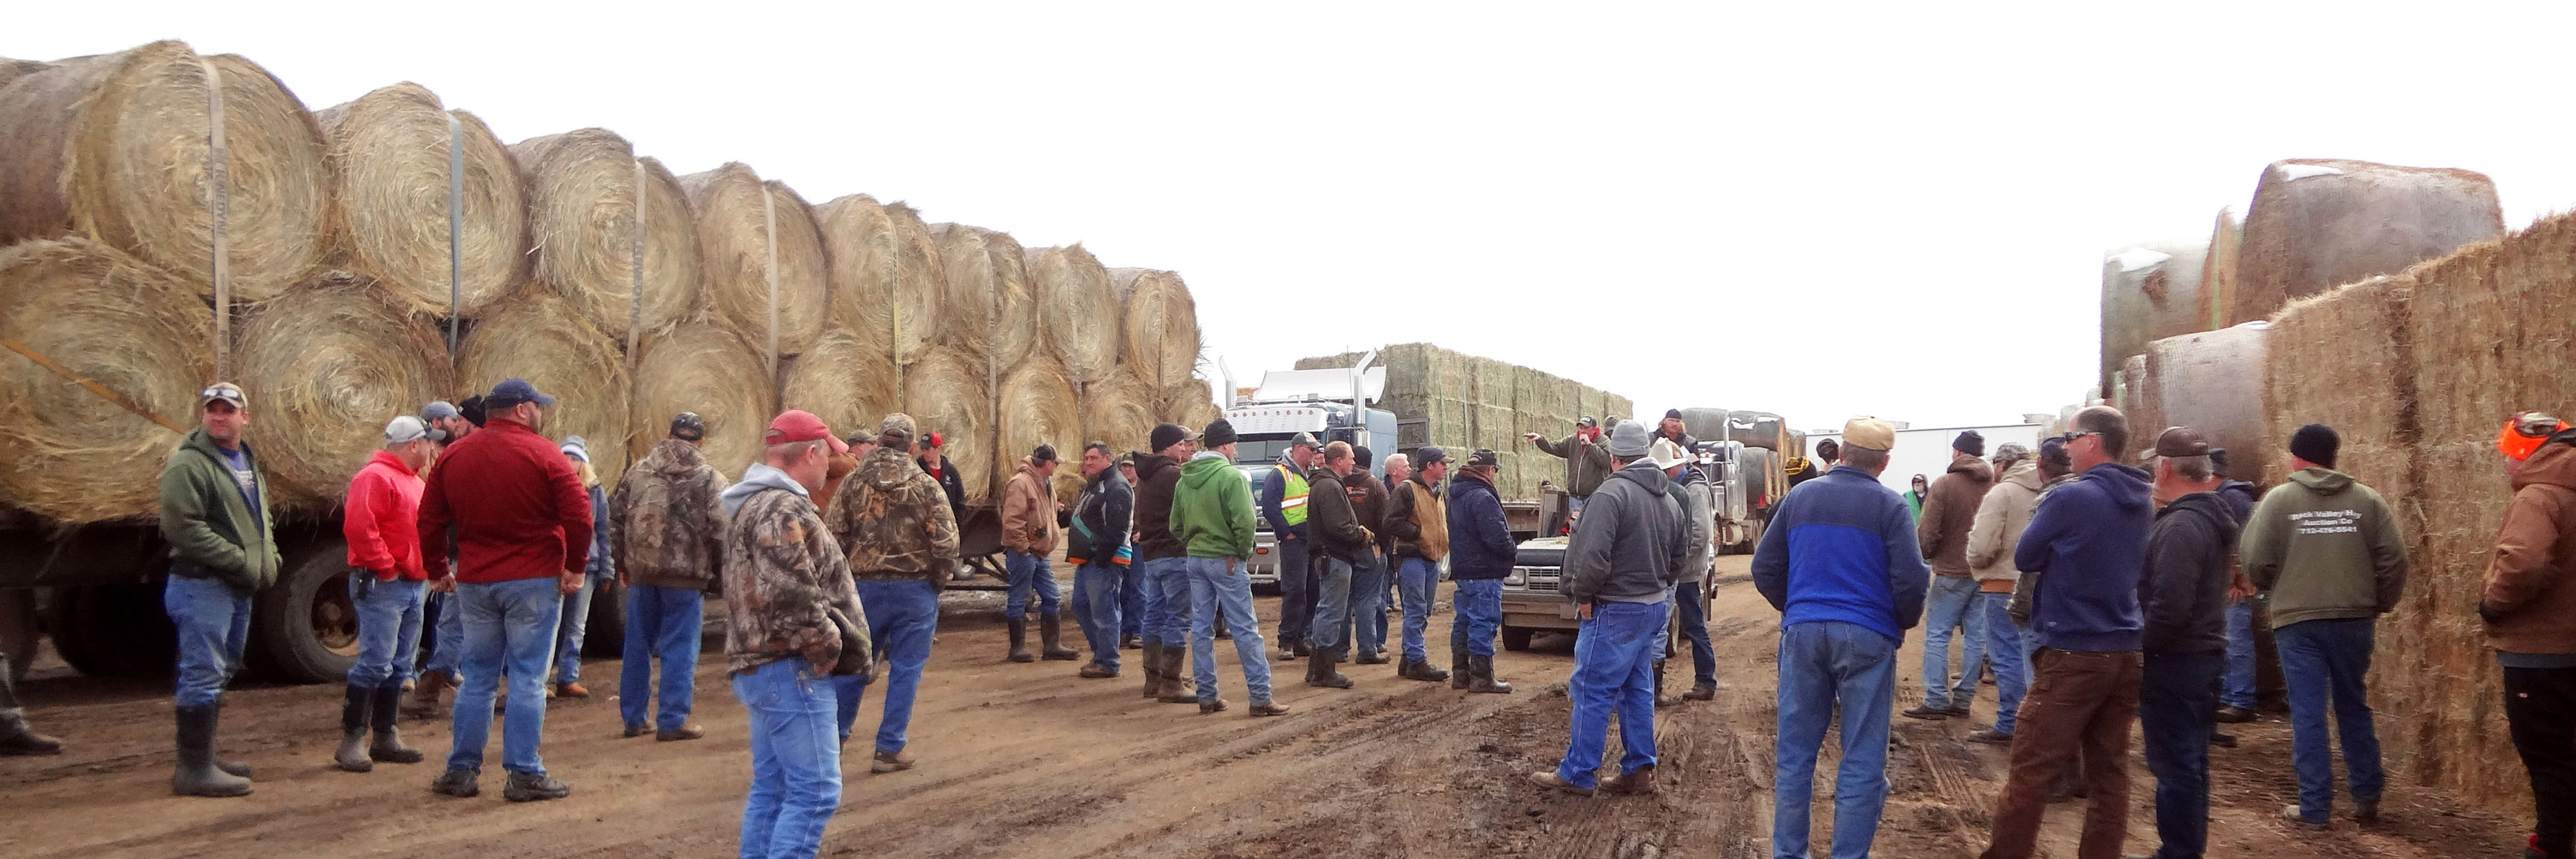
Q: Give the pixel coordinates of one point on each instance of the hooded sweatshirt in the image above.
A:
(2088, 541)
(1630, 543)
(1028, 513)
(783, 575)
(665, 528)
(1841, 549)
(214, 531)
(379, 518)
(2182, 591)
(2324, 547)
(1212, 508)
(1480, 539)
(2001, 517)
(1156, 477)
(1698, 526)
(894, 522)
(1949, 511)
(2530, 595)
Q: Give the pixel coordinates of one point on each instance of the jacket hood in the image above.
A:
(885, 468)
(197, 438)
(673, 457)
(388, 458)
(2325, 481)
(1203, 468)
(760, 477)
(2127, 486)
(2208, 506)
(2024, 474)
(1644, 473)
(1152, 464)
(2553, 464)
(1973, 467)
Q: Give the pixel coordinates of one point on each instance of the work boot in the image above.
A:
(1213, 705)
(354, 718)
(1423, 671)
(679, 734)
(196, 774)
(1050, 634)
(1370, 659)
(1663, 697)
(1130, 641)
(1153, 659)
(2221, 740)
(1095, 671)
(1020, 640)
(1547, 779)
(1484, 681)
(1991, 737)
(1927, 713)
(2232, 714)
(424, 695)
(1639, 783)
(1320, 673)
(530, 787)
(15, 737)
(388, 745)
(1303, 651)
(462, 784)
(1701, 692)
(1177, 685)
(1460, 675)
(571, 690)
(888, 762)
(2365, 812)
(1265, 708)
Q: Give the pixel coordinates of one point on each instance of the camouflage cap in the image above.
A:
(897, 424)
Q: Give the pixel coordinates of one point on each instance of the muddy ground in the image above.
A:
(1030, 761)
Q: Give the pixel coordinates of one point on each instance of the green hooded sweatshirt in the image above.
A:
(212, 533)
(1212, 509)
(2323, 547)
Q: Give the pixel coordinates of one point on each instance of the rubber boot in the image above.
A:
(1663, 696)
(1461, 675)
(1153, 664)
(1178, 688)
(231, 768)
(1485, 682)
(388, 745)
(1050, 634)
(15, 737)
(1320, 673)
(1020, 640)
(196, 774)
(355, 713)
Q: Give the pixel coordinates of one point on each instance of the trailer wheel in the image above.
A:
(63, 622)
(1517, 639)
(603, 636)
(304, 626)
(112, 630)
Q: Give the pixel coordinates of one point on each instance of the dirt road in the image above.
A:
(1029, 761)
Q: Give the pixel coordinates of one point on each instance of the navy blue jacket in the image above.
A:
(1842, 548)
(2089, 542)
(1480, 540)
(2239, 496)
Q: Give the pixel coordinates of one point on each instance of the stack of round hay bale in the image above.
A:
(362, 276)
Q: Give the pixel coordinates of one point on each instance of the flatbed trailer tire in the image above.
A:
(303, 628)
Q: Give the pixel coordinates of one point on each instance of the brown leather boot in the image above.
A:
(424, 695)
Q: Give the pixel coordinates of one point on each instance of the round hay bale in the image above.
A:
(66, 452)
(885, 275)
(536, 336)
(1191, 404)
(945, 393)
(1077, 309)
(704, 369)
(844, 381)
(988, 305)
(2211, 382)
(2319, 223)
(1037, 407)
(326, 366)
(13, 69)
(390, 157)
(581, 221)
(733, 235)
(2150, 291)
(113, 147)
(1162, 325)
(1120, 410)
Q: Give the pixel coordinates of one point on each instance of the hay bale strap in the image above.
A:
(455, 229)
(769, 238)
(218, 171)
(635, 307)
(102, 390)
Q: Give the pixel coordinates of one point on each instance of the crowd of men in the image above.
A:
(2095, 590)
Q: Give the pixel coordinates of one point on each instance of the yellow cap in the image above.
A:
(1870, 433)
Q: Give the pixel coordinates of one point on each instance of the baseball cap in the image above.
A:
(409, 428)
(687, 426)
(1428, 456)
(1674, 414)
(1587, 421)
(1166, 435)
(1869, 432)
(795, 425)
(1484, 457)
(439, 410)
(900, 424)
(1302, 440)
(225, 391)
(512, 392)
(2012, 451)
(1044, 454)
(2181, 441)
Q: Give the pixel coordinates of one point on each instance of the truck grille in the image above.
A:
(1536, 578)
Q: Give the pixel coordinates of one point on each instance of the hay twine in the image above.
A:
(536, 336)
(66, 452)
(1161, 328)
(1078, 311)
(945, 393)
(734, 225)
(390, 153)
(844, 381)
(325, 367)
(708, 370)
(113, 147)
(581, 220)
(886, 275)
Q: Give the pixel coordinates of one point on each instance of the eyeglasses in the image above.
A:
(2070, 437)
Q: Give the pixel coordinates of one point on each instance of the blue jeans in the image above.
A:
(1614, 667)
(2008, 652)
(1476, 615)
(1215, 588)
(2322, 660)
(388, 625)
(1823, 665)
(660, 622)
(1694, 623)
(1368, 611)
(1946, 611)
(214, 624)
(1167, 601)
(2176, 695)
(1418, 579)
(1097, 597)
(1331, 628)
(1131, 600)
(1028, 572)
(902, 616)
(446, 637)
(576, 617)
(795, 763)
(1296, 590)
(509, 627)
(2239, 691)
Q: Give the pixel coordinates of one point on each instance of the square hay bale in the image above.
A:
(2499, 320)
(2150, 291)
(2433, 676)
(2344, 358)
(2211, 382)
(2318, 223)
(2218, 271)
(1625, 408)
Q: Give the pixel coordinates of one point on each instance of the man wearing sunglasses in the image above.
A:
(214, 514)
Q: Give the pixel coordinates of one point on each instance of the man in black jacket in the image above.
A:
(1160, 553)
(1338, 540)
(2182, 593)
(934, 463)
(1097, 550)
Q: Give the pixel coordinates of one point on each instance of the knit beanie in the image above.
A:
(2316, 443)
(1972, 443)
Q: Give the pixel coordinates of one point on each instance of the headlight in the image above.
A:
(1519, 577)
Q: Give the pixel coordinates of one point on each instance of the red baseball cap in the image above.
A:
(797, 425)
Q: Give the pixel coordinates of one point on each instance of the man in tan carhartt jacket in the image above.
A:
(2001, 516)
(1943, 532)
(1030, 533)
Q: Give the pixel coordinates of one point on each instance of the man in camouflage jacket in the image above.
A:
(895, 522)
(666, 536)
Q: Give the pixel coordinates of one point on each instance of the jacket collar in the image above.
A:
(388, 459)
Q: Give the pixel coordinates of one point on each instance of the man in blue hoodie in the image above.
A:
(2088, 541)
(1841, 562)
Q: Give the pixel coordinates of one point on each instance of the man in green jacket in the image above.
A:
(1212, 517)
(2323, 551)
(214, 515)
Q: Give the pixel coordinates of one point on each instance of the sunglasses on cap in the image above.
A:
(225, 391)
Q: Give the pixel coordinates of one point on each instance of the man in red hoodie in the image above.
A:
(386, 585)
(523, 528)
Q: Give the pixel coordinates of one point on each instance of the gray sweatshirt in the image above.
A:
(1630, 543)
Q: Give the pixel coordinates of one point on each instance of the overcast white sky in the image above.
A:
(1813, 210)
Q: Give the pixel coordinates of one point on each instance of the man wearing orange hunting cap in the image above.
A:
(2529, 605)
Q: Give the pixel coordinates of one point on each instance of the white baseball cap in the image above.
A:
(410, 428)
